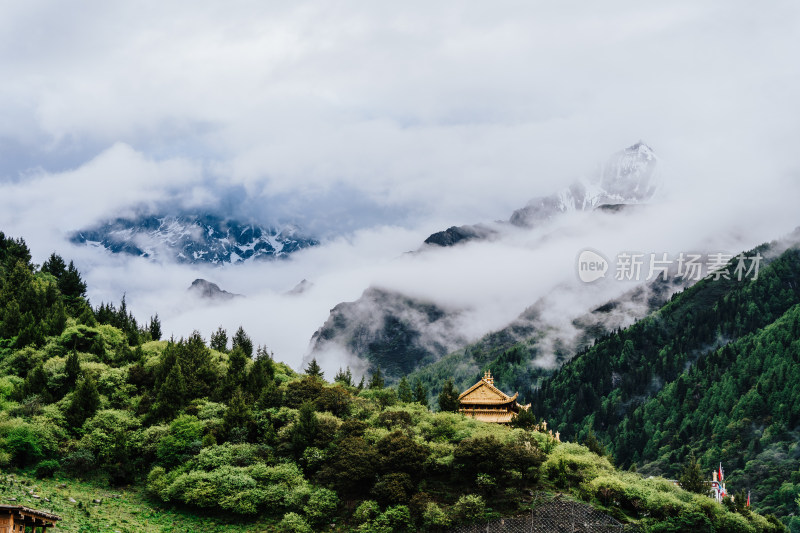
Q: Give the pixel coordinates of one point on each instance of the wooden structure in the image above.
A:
(485, 402)
(17, 519)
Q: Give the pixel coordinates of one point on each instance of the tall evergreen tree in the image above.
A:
(172, 394)
(448, 398)
(525, 419)
(238, 418)
(376, 380)
(404, 391)
(691, 477)
(71, 284)
(72, 367)
(55, 266)
(241, 339)
(237, 371)
(85, 402)
(313, 369)
(344, 377)
(420, 393)
(305, 429)
(219, 340)
(155, 328)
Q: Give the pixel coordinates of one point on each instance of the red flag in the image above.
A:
(720, 473)
(748, 498)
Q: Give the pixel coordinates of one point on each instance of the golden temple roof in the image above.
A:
(485, 393)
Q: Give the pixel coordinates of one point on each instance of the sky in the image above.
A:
(375, 124)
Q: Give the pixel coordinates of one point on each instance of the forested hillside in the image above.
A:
(211, 434)
(714, 372)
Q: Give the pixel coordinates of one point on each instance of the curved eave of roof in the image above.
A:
(484, 401)
(492, 388)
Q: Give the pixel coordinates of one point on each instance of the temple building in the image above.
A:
(485, 402)
(18, 518)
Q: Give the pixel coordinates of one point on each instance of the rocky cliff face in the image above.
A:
(388, 330)
(211, 291)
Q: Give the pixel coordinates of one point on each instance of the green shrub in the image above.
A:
(294, 523)
(395, 519)
(393, 488)
(366, 511)
(321, 506)
(469, 508)
(434, 516)
(47, 468)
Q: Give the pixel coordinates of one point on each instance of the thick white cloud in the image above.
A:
(432, 114)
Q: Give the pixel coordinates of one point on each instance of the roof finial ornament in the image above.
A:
(487, 377)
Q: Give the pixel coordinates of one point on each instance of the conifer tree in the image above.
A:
(313, 369)
(404, 391)
(448, 398)
(376, 380)
(85, 402)
(305, 429)
(237, 371)
(155, 328)
(219, 340)
(344, 377)
(240, 338)
(238, 418)
(35, 382)
(55, 266)
(172, 394)
(525, 419)
(72, 367)
(420, 393)
(261, 373)
(71, 284)
(691, 477)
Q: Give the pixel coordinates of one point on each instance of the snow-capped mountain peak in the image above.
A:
(194, 239)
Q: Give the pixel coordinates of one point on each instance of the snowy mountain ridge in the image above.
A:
(194, 239)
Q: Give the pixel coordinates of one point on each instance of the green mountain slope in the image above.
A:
(222, 439)
(706, 372)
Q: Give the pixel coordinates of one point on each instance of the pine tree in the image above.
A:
(594, 445)
(313, 369)
(691, 477)
(241, 339)
(448, 398)
(72, 368)
(344, 377)
(420, 393)
(238, 418)
(35, 382)
(55, 266)
(404, 391)
(71, 284)
(172, 394)
(85, 402)
(219, 340)
(525, 419)
(155, 328)
(376, 380)
(305, 429)
(237, 371)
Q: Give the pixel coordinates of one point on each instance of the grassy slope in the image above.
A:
(132, 511)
